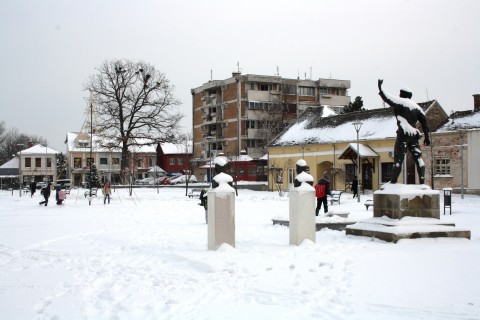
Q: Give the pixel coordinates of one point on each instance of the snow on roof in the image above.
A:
(72, 137)
(312, 128)
(174, 148)
(10, 164)
(462, 120)
(365, 151)
(39, 149)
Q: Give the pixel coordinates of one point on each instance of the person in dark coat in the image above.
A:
(33, 188)
(408, 113)
(46, 193)
(322, 190)
(204, 203)
(58, 189)
(355, 186)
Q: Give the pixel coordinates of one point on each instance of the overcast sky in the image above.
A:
(49, 48)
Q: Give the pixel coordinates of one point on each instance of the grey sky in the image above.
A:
(49, 48)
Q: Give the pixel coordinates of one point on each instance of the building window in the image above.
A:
(350, 172)
(150, 162)
(325, 91)
(139, 163)
(103, 161)
(90, 161)
(171, 161)
(442, 166)
(291, 176)
(250, 124)
(49, 162)
(180, 161)
(265, 87)
(306, 91)
(77, 162)
(289, 89)
(38, 162)
(116, 161)
(252, 171)
(28, 162)
(253, 143)
(387, 168)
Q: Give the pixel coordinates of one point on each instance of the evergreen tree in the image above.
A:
(61, 166)
(92, 178)
(357, 105)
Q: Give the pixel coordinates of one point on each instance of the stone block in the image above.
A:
(398, 200)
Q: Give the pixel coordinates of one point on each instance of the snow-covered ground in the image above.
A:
(146, 257)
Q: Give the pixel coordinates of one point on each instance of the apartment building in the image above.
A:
(245, 112)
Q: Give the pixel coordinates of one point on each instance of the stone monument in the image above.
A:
(302, 206)
(221, 208)
(406, 210)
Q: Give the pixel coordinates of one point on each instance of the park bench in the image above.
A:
(194, 193)
(368, 203)
(334, 197)
(94, 192)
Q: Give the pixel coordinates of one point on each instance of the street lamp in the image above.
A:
(357, 126)
(19, 169)
(209, 148)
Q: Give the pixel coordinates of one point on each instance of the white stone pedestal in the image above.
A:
(221, 217)
(302, 214)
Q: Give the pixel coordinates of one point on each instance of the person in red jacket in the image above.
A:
(322, 190)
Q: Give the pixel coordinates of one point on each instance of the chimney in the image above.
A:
(236, 74)
(476, 102)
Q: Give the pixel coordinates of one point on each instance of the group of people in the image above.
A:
(60, 195)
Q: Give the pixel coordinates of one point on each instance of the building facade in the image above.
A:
(245, 112)
(38, 163)
(175, 158)
(330, 147)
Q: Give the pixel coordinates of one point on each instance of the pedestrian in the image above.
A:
(46, 193)
(204, 203)
(59, 194)
(106, 191)
(322, 190)
(355, 186)
(33, 188)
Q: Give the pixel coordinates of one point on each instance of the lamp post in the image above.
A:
(357, 126)
(19, 170)
(209, 147)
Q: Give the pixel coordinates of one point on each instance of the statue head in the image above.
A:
(405, 93)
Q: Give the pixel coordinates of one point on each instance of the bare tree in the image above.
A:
(12, 141)
(271, 122)
(135, 105)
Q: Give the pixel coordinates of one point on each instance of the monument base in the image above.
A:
(406, 212)
(392, 230)
(406, 200)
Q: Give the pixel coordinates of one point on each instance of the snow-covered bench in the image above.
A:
(368, 203)
(335, 196)
(194, 193)
(94, 192)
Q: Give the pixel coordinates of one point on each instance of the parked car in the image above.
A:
(163, 180)
(64, 183)
(41, 185)
(183, 179)
(145, 181)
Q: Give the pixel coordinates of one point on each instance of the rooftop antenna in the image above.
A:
(278, 71)
(238, 66)
(305, 75)
(211, 74)
(298, 73)
(310, 73)
(426, 89)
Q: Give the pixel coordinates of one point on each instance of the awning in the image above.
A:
(351, 152)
